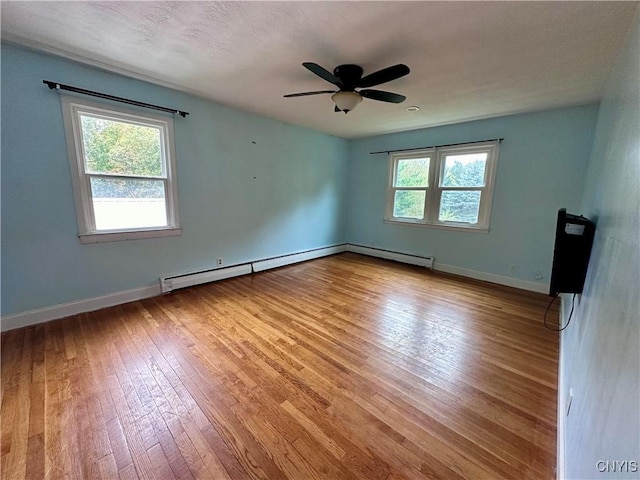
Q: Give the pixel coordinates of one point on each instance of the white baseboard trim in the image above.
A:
(430, 262)
(389, 255)
(493, 278)
(284, 260)
(55, 312)
(62, 310)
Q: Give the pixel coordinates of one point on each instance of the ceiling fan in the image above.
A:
(348, 78)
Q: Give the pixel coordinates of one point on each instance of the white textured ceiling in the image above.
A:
(468, 60)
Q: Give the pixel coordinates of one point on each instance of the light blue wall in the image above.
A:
(542, 165)
(600, 352)
(296, 202)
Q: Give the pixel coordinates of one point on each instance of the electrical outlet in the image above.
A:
(539, 275)
(569, 401)
(220, 262)
(513, 268)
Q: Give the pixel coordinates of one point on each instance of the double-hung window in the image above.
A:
(123, 171)
(445, 186)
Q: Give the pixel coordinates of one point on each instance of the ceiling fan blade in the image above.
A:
(382, 96)
(322, 73)
(336, 109)
(304, 94)
(383, 76)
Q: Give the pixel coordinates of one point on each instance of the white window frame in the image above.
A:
(72, 109)
(394, 159)
(434, 189)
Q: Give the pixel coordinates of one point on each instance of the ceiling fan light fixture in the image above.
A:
(346, 101)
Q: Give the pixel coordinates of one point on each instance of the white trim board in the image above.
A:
(62, 310)
(493, 278)
(430, 262)
(561, 414)
(55, 312)
(562, 393)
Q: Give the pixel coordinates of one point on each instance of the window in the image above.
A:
(123, 172)
(444, 187)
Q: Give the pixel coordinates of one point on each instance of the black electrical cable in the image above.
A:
(570, 314)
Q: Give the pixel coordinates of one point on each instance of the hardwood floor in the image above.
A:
(345, 367)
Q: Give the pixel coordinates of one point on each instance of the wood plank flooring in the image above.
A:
(345, 367)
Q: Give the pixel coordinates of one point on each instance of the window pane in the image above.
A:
(409, 204)
(412, 173)
(464, 170)
(120, 204)
(459, 206)
(112, 147)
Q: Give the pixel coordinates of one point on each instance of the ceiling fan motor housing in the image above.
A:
(349, 76)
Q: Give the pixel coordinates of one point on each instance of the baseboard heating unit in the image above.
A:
(168, 284)
(174, 282)
(421, 261)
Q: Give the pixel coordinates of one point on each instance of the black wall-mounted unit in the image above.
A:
(574, 238)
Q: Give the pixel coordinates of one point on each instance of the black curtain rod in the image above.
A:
(60, 86)
(437, 146)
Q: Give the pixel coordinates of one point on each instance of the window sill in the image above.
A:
(456, 228)
(116, 236)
